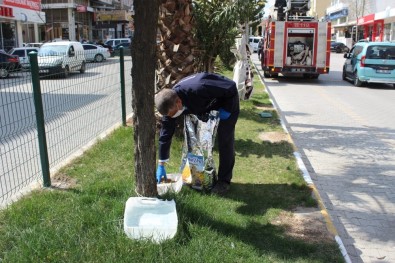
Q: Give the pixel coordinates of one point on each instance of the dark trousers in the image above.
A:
(226, 147)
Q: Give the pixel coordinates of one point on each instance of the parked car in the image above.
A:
(370, 62)
(23, 54)
(339, 47)
(110, 48)
(60, 58)
(95, 53)
(126, 49)
(8, 63)
(38, 45)
(254, 41)
(116, 41)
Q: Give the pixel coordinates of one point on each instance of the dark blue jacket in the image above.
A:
(199, 93)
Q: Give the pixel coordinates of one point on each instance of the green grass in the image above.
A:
(85, 223)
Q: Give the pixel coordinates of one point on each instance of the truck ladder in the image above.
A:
(293, 10)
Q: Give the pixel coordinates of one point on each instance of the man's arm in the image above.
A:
(165, 136)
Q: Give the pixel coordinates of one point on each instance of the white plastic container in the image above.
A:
(174, 186)
(288, 61)
(150, 218)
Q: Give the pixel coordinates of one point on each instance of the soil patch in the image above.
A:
(129, 122)
(274, 137)
(266, 108)
(306, 224)
(63, 182)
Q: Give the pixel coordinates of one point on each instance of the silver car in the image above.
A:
(95, 53)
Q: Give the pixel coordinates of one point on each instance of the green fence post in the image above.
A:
(38, 104)
(123, 97)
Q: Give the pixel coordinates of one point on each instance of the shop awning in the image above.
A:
(352, 23)
(369, 19)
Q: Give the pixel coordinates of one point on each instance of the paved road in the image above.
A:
(346, 136)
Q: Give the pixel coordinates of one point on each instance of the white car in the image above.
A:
(23, 54)
(95, 53)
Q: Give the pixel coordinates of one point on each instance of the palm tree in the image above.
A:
(176, 50)
(194, 34)
(217, 24)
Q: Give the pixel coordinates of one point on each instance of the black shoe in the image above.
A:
(220, 188)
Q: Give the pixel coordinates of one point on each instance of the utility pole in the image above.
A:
(357, 17)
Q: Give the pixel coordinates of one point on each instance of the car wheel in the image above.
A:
(315, 76)
(310, 76)
(66, 72)
(83, 67)
(338, 50)
(344, 75)
(357, 82)
(3, 73)
(99, 58)
(274, 75)
(266, 74)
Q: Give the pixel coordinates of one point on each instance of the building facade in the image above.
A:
(353, 20)
(318, 8)
(87, 20)
(32, 21)
(19, 22)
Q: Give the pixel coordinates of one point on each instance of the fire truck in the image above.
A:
(295, 44)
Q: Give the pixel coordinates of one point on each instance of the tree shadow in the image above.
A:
(252, 114)
(265, 237)
(356, 179)
(247, 147)
(17, 114)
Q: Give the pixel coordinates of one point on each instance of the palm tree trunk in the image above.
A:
(176, 55)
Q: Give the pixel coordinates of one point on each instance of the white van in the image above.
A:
(60, 58)
(254, 41)
(116, 41)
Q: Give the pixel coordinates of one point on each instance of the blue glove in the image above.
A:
(160, 172)
(223, 114)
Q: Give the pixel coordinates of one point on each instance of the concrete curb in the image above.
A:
(306, 176)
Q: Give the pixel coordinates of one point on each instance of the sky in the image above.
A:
(269, 3)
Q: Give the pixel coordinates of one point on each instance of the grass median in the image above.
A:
(83, 221)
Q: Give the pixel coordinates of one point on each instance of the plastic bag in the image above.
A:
(197, 165)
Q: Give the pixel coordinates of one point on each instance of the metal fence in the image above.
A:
(76, 109)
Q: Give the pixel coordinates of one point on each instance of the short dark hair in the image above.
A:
(165, 100)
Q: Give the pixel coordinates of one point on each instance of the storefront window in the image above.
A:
(370, 33)
(387, 32)
(7, 35)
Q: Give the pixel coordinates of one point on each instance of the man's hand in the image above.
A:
(160, 172)
(223, 114)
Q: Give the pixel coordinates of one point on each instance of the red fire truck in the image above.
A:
(297, 44)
